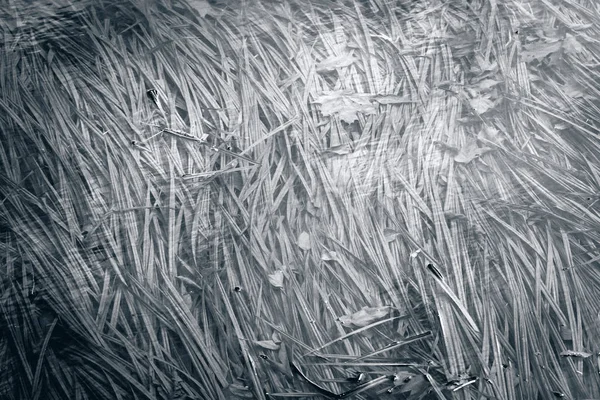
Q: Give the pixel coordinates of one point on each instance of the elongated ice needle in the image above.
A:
(209, 174)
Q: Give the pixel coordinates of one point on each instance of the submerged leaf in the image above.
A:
(313, 208)
(340, 150)
(365, 316)
(445, 147)
(333, 62)
(390, 234)
(490, 134)
(284, 358)
(571, 45)
(267, 344)
(539, 50)
(304, 241)
(346, 104)
(469, 152)
(487, 84)
(481, 104)
(451, 216)
(202, 7)
(484, 65)
(575, 90)
(329, 256)
(276, 279)
(276, 337)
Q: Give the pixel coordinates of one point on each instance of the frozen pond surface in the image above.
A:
(370, 199)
